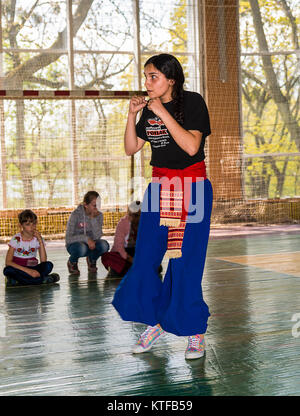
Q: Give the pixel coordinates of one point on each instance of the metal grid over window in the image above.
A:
(81, 51)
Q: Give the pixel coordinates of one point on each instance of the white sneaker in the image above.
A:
(148, 339)
(195, 348)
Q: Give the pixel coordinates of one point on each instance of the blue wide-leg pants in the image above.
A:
(176, 303)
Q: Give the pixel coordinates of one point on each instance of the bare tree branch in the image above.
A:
(278, 97)
(46, 82)
(28, 68)
(288, 12)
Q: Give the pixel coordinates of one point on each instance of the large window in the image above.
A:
(270, 60)
(53, 151)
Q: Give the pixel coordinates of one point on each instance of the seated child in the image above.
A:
(120, 258)
(22, 266)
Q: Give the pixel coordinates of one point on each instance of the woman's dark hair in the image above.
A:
(172, 69)
(89, 197)
(27, 215)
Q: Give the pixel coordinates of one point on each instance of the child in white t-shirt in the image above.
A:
(22, 265)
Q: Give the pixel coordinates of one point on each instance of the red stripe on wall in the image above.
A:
(61, 93)
(30, 93)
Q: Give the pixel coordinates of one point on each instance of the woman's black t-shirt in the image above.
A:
(165, 151)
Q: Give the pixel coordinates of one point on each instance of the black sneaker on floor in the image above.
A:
(10, 282)
(112, 274)
(51, 278)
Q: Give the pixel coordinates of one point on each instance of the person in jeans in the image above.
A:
(22, 266)
(83, 234)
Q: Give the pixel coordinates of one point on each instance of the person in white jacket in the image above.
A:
(84, 232)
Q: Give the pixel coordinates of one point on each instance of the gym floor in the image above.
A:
(67, 340)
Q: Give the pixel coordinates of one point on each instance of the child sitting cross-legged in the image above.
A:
(22, 265)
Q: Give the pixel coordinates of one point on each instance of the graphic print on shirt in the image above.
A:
(157, 133)
(24, 248)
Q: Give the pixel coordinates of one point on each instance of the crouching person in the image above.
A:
(22, 265)
(84, 232)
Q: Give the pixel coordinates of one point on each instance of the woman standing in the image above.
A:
(175, 214)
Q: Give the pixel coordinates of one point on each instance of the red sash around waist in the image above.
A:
(175, 197)
(195, 172)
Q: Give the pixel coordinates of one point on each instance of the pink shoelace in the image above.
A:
(150, 335)
(195, 343)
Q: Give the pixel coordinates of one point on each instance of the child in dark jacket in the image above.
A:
(84, 232)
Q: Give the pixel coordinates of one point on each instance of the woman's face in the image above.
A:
(91, 209)
(157, 85)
